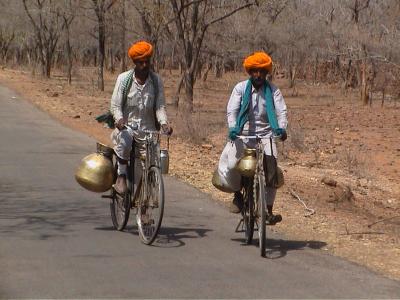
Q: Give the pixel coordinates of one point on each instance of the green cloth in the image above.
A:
(243, 115)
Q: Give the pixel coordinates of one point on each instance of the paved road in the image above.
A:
(57, 240)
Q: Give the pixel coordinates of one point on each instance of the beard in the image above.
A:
(257, 82)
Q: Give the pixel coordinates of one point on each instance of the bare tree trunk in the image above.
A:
(315, 73)
(292, 76)
(348, 74)
(48, 63)
(209, 66)
(69, 59)
(364, 92)
(218, 68)
(364, 86)
(101, 50)
(191, 24)
(112, 65)
(68, 18)
(123, 38)
(46, 32)
(42, 60)
(178, 91)
(100, 9)
(189, 84)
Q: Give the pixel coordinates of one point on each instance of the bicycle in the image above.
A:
(148, 198)
(254, 211)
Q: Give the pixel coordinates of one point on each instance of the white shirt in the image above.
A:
(258, 120)
(139, 108)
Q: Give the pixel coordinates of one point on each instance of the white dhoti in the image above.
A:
(230, 156)
(123, 141)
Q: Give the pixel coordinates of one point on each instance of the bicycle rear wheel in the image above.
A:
(120, 207)
(248, 210)
(259, 192)
(151, 207)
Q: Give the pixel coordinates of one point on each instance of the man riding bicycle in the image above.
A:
(137, 103)
(256, 107)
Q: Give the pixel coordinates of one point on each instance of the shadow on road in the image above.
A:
(168, 237)
(278, 248)
(105, 228)
(172, 237)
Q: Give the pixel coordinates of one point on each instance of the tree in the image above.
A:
(68, 16)
(192, 20)
(45, 18)
(6, 38)
(101, 7)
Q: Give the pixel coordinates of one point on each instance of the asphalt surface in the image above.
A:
(57, 240)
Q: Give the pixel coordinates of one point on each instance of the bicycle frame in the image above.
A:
(259, 153)
(254, 210)
(259, 166)
(148, 198)
(152, 158)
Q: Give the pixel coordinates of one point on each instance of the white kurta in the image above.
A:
(138, 110)
(258, 120)
(140, 106)
(257, 125)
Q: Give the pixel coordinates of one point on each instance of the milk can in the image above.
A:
(164, 161)
(247, 164)
(96, 172)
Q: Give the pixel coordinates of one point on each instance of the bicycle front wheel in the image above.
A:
(120, 207)
(248, 210)
(259, 194)
(151, 206)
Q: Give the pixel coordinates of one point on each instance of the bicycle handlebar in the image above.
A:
(256, 137)
(135, 127)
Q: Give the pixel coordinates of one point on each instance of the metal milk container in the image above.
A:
(164, 161)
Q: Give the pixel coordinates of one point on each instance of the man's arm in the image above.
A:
(161, 113)
(280, 109)
(233, 106)
(116, 100)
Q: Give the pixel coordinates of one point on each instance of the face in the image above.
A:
(258, 77)
(142, 66)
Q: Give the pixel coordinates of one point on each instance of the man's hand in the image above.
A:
(284, 136)
(281, 133)
(166, 129)
(121, 123)
(232, 134)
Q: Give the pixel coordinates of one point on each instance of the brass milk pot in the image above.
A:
(96, 172)
(247, 164)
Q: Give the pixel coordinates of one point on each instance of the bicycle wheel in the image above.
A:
(259, 192)
(151, 207)
(248, 210)
(120, 207)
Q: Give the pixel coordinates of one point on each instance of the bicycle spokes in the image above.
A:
(151, 206)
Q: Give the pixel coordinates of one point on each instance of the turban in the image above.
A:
(140, 50)
(258, 60)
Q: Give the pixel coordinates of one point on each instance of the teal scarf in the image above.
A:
(243, 115)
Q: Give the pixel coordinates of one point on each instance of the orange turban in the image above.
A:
(258, 60)
(140, 50)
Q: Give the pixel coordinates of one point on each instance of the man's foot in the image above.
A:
(120, 185)
(237, 203)
(273, 219)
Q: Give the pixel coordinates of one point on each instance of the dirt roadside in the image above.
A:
(331, 137)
